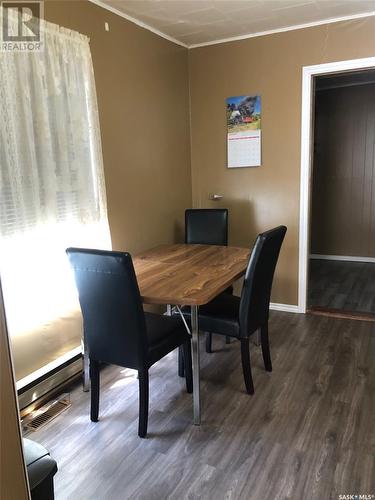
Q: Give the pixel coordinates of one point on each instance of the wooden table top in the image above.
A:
(188, 274)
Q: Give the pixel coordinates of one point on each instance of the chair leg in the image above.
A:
(266, 347)
(257, 340)
(246, 368)
(95, 388)
(143, 403)
(208, 342)
(227, 340)
(188, 367)
(181, 367)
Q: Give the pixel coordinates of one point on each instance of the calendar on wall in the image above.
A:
(244, 131)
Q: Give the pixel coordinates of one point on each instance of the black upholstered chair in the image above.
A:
(41, 468)
(240, 317)
(117, 329)
(205, 226)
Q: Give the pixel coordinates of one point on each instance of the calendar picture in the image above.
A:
(244, 131)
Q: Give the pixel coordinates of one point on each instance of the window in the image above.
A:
(52, 192)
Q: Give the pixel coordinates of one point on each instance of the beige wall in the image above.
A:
(343, 215)
(259, 198)
(142, 88)
(13, 482)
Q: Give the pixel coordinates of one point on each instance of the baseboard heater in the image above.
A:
(37, 386)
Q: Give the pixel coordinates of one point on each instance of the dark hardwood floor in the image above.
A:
(307, 433)
(348, 286)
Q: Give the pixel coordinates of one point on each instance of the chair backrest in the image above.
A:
(207, 226)
(256, 291)
(113, 317)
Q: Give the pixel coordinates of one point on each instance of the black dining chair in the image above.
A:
(207, 226)
(240, 317)
(116, 328)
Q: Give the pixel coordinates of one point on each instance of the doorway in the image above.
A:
(342, 220)
(336, 265)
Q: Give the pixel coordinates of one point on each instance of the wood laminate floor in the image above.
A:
(307, 433)
(348, 286)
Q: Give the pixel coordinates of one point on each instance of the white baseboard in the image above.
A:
(42, 388)
(284, 307)
(342, 257)
(48, 368)
(51, 381)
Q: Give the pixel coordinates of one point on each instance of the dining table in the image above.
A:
(189, 275)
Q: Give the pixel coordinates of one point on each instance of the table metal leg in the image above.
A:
(196, 368)
(85, 362)
(180, 367)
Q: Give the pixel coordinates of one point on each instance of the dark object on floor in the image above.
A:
(241, 317)
(117, 329)
(40, 468)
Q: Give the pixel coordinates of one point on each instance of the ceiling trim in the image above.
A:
(233, 38)
(137, 22)
(282, 30)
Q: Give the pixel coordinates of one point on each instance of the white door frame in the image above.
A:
(306, 158)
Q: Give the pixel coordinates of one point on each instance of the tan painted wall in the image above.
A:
(343, 212)
(259, 198)
(13, 482)
(142, 88)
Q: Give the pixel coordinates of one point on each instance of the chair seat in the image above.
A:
(165, 333)
(219, 316)
(41, 467)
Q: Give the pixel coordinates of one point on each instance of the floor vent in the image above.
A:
(46, 413)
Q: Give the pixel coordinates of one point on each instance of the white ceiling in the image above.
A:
(196, 22)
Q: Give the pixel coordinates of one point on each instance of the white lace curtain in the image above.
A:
(52, 192)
